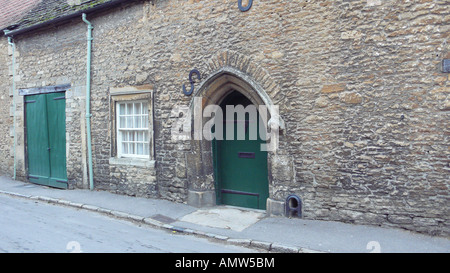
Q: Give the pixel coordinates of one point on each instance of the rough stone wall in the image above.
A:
(374, 145)
(58, 56)
(132, 180)
(358, 83)
(362, 95)
(6, 121)
(51, 58)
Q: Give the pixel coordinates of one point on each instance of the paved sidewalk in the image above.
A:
(236, 226)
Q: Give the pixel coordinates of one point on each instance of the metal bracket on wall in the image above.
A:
(191, 81)
(242, 8)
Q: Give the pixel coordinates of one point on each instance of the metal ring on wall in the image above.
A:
(244, 9)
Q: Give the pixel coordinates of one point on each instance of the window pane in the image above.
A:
(146, 149)
(125, 148)
(131, 136)
(130, 122)
(140, 149)
(144, 108)
(124, 136)
(137, 122)
(129, 108)
(122, 123)
(121, 109)
(137, 108)
(145, 122)
(145, 115)
(131, 149)
(138, 136)
(145, 136)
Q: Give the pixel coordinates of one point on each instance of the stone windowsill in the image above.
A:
(137, 162)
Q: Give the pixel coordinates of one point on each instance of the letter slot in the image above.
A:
(246, 155)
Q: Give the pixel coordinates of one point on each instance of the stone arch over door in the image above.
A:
(223, 74)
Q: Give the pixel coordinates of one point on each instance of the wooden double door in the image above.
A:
(45, 121)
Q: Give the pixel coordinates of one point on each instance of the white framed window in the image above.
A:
(133, 138)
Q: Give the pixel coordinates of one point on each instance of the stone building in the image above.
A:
(361, 88)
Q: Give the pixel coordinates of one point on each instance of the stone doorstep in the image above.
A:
(267, 246)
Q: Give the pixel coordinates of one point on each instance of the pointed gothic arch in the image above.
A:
(226, 73)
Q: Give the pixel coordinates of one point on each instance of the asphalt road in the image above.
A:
(28, 226)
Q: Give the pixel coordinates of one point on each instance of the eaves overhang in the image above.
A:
(61, 19)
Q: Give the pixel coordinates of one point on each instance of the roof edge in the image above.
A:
(100, 7)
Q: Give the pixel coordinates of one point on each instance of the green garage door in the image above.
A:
(46, 139)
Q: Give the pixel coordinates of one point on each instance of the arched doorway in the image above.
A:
(205, 186)
(240, 165)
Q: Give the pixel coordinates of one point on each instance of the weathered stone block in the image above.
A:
(333, 88)
(201, 199)
(282, 167)
(274, 207)
(350, 97)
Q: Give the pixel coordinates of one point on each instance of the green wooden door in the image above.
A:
(37, 139)
(46, 139)
(240, 165)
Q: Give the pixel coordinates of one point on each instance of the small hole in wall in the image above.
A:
(293, 203)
